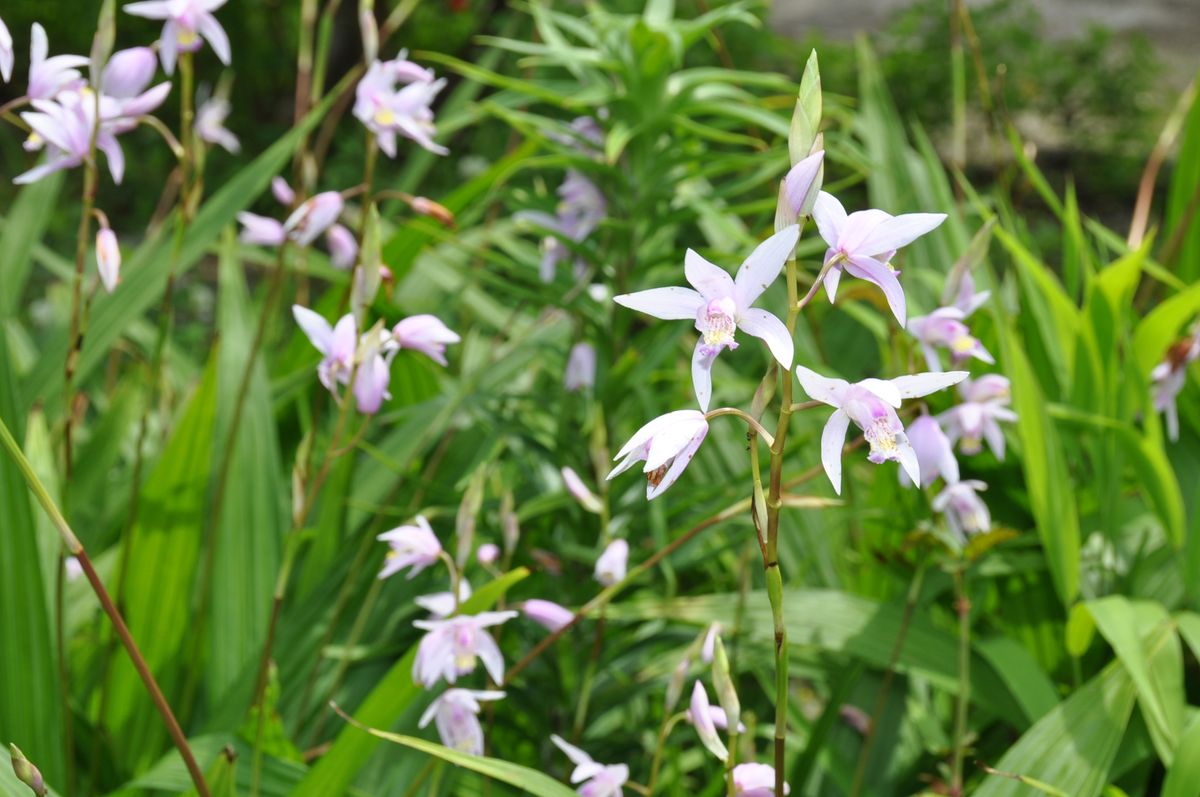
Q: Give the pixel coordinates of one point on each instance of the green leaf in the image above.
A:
(1046, 476)
(23, 228)
(1183, 778)
(530, 781)
(253, 516)
(1072, 748)
(1159, 678)
(30, 702)
(1155, 333)
(390, 697)
(164, 559)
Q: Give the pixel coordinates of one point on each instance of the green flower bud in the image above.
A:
(26, 772)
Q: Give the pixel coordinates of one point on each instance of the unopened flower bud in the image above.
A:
(282, 192)
(314, 217)
(73, 567)
(707, 650)
(487, 554)
(581, 367)
(108, 258)
(581, 492)
(260, 230)
(370, 30)
(723, 683)
(547, 613)
(427, 207)
(128, 72)
(610, 567)
(799, 190)
(26, 772)
(343, 249)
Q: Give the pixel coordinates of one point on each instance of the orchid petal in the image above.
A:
(678, 464)
(762, 324)
(917, 385)
(763, 265)
(821, 388)
(899, 231)
(830, 217)
(670, 304)
(149, 9)
(832, 277)
(712, 281)
(872, 270)
(908, 458)
(702, 363)
(703, 722)
(211, 30)
(995, 438)
(833, 437)
(884, 389)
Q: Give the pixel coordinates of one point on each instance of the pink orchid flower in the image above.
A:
(210, 124)
(580, 210)
(487, 554)
(386, 110)
(343, 248)
(721, 305)
(935, 453)
(283, 193)
(1169, 377)
(700, 715)
(978, 417)
(128, 72)
(755, 780)
(337, 344)
(184, 23)
(65, 126)
(456, 712)
(798, 190)
(313, 217)
(49, 76)
(612, 564)
(965, 511)
(415, 547)
(452, 646)
(426, 334)
(581, 367)
(944, 328)
(601, 780)
(872, 405)
(547, 614)
(963, 295)
(863, 243)
(260, 230)
(667, 444)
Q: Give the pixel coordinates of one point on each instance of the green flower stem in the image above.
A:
(73, 545)
(962, 605)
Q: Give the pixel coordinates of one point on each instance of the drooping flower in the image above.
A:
(7, 56)
(487, 554)
(547, 614)
(721, 305)
(49, 76)
(667, 444)
(580, 210)
(282, 192)
(863, 243)
(414, 546)
(65, 127)
(441, 605)
(700, 715)
(755, 780)
(452, 646)
(184, 23)
(108, 258)
(965, 511)
(386, 109)
(872, 405)
(1169, 377)
(426, 334)
(210, 124)
(977, 418)
(610, 567)
(337, 344)
(343, 248)
(601, 780)
(944, 328)
(798, 190)
(260, 230)
(935, 453)
(581, 492)
(456, 712)
(313, 217)
(581, 367)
